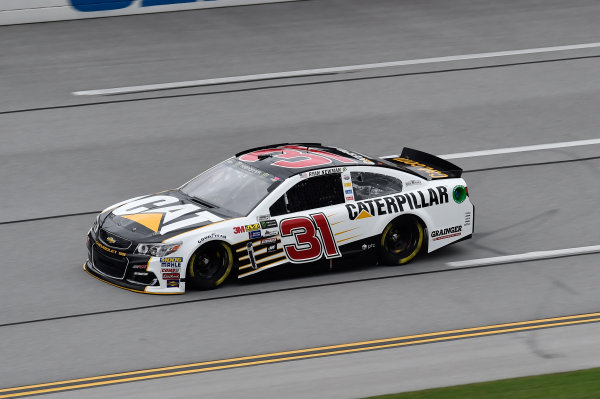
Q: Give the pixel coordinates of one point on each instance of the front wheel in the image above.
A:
(209, 266)
(401, 240)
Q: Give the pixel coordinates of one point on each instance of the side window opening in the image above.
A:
(278, 208)
(371, 185)
(311, 193)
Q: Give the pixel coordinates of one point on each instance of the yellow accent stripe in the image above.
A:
(282, 258)
(345, 231)
(298, 354)
(266, 258)
(333, 224)
(257, 252)
(349, 238)
(128, 289)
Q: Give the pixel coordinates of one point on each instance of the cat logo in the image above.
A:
(110, 240)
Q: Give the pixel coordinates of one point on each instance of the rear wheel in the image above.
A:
(209, 266)
(401, 240)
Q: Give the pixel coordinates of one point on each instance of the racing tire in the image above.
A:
(209, 266)
(401, 240)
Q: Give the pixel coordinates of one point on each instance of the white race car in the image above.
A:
(281, 205)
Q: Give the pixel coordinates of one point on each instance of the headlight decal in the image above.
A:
(157, 249)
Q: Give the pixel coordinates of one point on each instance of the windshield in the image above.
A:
(231, 185)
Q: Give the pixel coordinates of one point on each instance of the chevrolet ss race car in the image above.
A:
(280, 205)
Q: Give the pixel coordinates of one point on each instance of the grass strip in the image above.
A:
(581, 384)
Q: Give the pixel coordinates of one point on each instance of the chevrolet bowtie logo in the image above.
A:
(110, 240)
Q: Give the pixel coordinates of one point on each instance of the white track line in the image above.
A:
(508, 150)
(520, 149)
(558, 253)
(332, 70)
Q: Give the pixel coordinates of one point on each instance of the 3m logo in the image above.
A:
(106, 5)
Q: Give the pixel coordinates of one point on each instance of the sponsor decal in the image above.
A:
(168, 276)
(164, 217)
(213, 236)
(348, 190)
(272, 248)
(252, 227)
(173, 283)
(249, 168)
(270, 233)
(239, 229)
(397, 203)
(268, 224)
(254, 234)
(139, 266)
(172, 259)
(171, 262)
(271, 240)
(433, 173)
(322, 172)
(446, 233)
(167, 270)
(107, 249)
(263, 218)
(367, 246)
(250, 250)
(467, 219)
(411, 183)
(356, 156)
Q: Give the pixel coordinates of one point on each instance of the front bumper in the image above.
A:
(138, 273)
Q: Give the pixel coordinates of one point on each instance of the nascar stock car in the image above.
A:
(280, 205)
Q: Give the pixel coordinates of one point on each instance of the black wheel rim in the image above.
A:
(210, 262)
(401, 240)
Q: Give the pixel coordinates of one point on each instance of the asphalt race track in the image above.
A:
(63, 157)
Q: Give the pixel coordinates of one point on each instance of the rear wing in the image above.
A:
(424, 165)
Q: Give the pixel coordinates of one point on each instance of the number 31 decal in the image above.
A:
(293, 158)
(312, 238)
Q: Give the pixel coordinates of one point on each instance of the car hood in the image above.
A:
(157, 217)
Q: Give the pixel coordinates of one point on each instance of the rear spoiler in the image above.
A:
(424, 165)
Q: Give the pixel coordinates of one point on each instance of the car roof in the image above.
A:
(263, 158)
